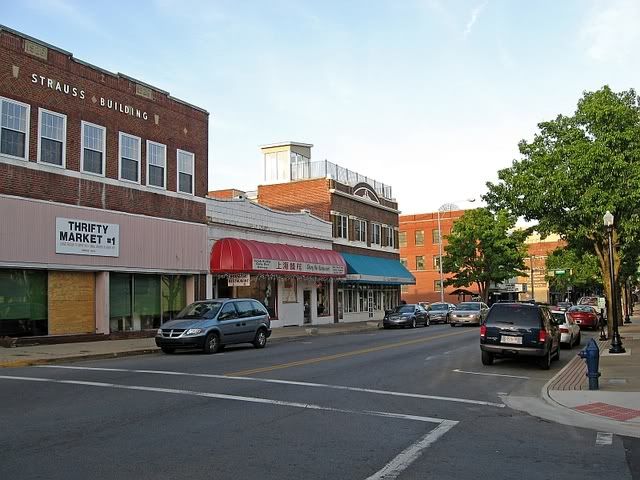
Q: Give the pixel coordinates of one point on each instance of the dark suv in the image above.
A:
(520, 329)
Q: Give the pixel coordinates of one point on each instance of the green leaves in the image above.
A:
(574, 170)
(484, 248)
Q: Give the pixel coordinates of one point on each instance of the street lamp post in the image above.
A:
(443, 207)
(616, 342)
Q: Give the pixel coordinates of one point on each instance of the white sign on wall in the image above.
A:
(296, 267)
(239, 280)
(82, 237)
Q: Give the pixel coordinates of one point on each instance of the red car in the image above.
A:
(584, 315)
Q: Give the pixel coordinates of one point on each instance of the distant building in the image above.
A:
(420, 252)
(536, 284)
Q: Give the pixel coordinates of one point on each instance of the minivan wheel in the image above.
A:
(452, 325)
(211, 343)
(427, 323)
(413, 323)
(261, 339)
(545, 362)
(557, 355)
(578, 340)
(168, 349)
(487, 358)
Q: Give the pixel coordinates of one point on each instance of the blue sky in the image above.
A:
(429, 96)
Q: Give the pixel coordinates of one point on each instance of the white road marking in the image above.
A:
(220, 396)
(286, 382)
(405, 458)
(490, 374)
(603, 438)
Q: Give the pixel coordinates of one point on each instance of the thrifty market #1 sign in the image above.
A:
(82, 237)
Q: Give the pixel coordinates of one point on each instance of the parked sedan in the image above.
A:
(468, 313)
(439, 312)
(408, 315)
(584, 315)
(569, 329)
(211, 324)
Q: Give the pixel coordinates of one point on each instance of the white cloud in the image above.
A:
(475, 13)
(610, 30)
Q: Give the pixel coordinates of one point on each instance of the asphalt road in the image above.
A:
(408, 404)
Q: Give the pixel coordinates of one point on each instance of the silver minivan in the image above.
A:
(212, 324)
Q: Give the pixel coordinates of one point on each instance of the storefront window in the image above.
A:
(350, 300)
(23, 303)
(290, 291)
(144, 302)
(120, 302)
(174, 296)
(364, 306)
(322, 295)
(265, 290)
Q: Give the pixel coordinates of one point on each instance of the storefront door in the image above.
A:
(306, 298)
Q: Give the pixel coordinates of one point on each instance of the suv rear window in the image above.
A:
(514, 314)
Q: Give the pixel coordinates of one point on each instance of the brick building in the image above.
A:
(537, 286)
(103, 218)
(364, 219)
(420, 253)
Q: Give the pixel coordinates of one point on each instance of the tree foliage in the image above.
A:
(483, 248)
(575, 169)
(583, 266)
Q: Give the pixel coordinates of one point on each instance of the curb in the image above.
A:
(586, 420)
(311, 332)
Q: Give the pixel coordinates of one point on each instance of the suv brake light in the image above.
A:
(542, 335)
(483, 331)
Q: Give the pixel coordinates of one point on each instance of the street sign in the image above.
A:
(559, 272)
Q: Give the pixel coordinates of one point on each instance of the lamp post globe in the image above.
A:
(616, 342)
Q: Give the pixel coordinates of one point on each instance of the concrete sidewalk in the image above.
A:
(67, 352)
(615, 407)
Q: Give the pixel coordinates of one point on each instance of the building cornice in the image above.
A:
(363, 200)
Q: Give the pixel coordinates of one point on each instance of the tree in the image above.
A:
(575, 169)
(582, 270)
(483, 248)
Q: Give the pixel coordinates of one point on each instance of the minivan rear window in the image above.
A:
(513, 314)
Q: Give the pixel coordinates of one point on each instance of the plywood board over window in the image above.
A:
(72, 303)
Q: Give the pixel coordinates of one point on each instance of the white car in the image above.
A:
(569, 329)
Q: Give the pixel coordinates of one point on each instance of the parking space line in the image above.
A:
(490, 374)
(405, 458)
(286, 382)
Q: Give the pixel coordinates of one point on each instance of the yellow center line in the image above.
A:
(326, 358)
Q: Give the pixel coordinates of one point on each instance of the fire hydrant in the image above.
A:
(591, 354)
